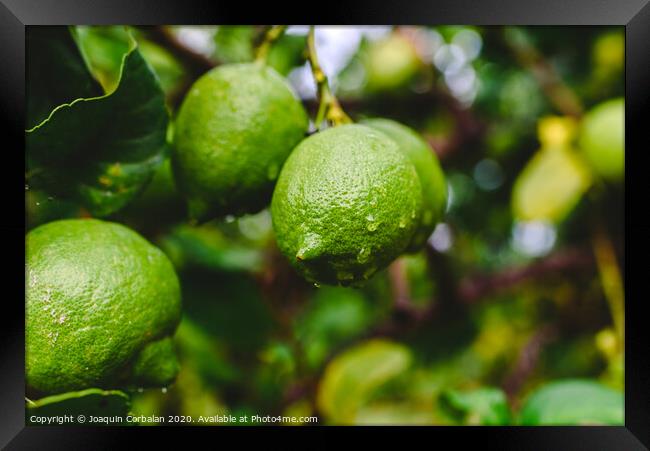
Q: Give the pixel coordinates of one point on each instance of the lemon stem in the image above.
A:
(329, 108)
(611, 280)
(272, 34)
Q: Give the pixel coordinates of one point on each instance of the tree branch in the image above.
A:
(474, 288)
(559, 93)
(196, 63)
(527, 362)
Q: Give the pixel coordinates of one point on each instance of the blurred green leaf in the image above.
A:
(551, 184)
(93, 401)
(573, 402)
(234, 43)
(332, 316)
(207, 247)
(205, 353)
(229, 307)
(287, 52)
(485, 406)
(351, 378)
(102, 150)
(394, 414)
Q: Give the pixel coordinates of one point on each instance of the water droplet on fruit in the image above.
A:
(372, 226)
(229, 219)
(164, 389)
(412, 214)
(402, 223)
(317, 285)
(363, 255)
(310, 247)
(370, 218)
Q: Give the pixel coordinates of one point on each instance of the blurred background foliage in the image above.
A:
(514, 311)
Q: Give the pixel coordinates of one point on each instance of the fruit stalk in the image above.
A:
(272, 34)
(611, 280)
(329, 107)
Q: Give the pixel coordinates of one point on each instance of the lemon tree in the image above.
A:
(101, 306)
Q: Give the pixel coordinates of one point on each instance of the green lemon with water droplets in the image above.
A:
(432, 178)
(102, 305)
(234, 130)
(346, 204)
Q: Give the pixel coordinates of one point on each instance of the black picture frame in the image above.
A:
(15, 15)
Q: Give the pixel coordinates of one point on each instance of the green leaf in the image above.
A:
(573, 402)
(352, 377)
(550, 185)
(92, 401)
(234, 43)
(395, 414)
(484, 406)
(207, 247)
(101, 151)
(287, 52)
(334, 315)
(56, 71)
(105, 46)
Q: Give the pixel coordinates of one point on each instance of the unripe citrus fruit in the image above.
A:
(347, 202)
(432, 179)
(391, 63)
(602, 139)
(102, 304)
(234, 130)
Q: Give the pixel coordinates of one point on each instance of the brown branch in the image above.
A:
(479, 286)
(476, 287)
(197, 63)
(556, 90)
(400, 285)
(527, 362)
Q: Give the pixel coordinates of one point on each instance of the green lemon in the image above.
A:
(102, 305)
(235, 128)
(432, 179)
(602, 138)
(347, 202)
(391, 63)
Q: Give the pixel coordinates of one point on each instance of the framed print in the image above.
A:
(388, 215)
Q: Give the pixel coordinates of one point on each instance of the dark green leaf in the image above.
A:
(56, 71)
(102, 151)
